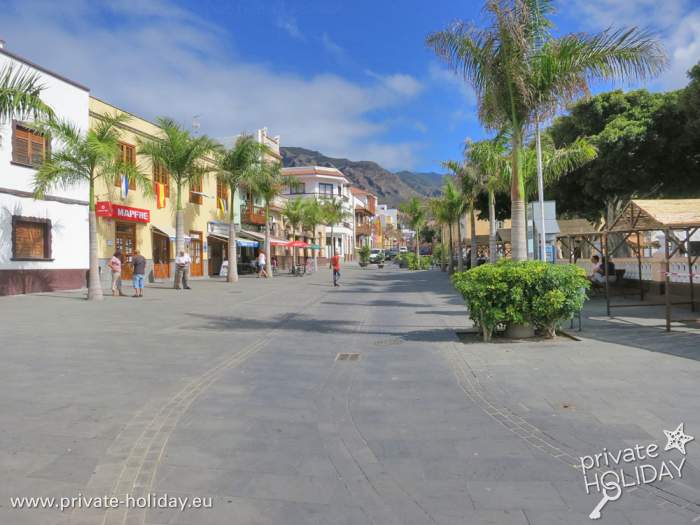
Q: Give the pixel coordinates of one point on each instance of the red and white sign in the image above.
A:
(124, 213)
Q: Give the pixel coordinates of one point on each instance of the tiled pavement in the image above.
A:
(234, 393)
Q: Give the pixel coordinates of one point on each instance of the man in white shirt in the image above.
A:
(182, 270)
(262, 268)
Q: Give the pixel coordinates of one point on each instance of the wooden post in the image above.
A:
(639, 268)
(690, 269)
(667, 290)
(571, 250)
(605, 268)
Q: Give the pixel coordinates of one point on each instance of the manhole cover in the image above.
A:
(347, 357)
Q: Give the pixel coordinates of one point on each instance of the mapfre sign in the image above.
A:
(124, 213)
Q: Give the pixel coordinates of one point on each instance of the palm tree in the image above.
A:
(182, 155)
(332, 214)
(240, 165)
(293, 213)
(415, 212)
(312, 217)
(520, 72)
(471, 185)
(20, 95)
(87, 158)
(446, 210)
(489, 157)
(267, 183)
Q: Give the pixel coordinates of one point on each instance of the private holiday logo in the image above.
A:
(609, 472)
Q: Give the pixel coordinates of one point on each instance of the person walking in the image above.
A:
(115, 264)
(182, 270)
(139, 262)
(262, 267)
(335, 264)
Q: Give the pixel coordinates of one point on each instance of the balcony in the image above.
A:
(363, 229)
(253, 215)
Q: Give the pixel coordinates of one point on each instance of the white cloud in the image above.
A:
(290, 25)
(333, 49)
(402, 85)
(677, 22)
(447, 79)
(170, 62)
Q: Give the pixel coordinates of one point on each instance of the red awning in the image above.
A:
(298, 244)
(278, 242)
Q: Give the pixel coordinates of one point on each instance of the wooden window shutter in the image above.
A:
(31, 238)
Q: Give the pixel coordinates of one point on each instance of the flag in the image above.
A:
(222, 206)
(125, 186)
(160, 194)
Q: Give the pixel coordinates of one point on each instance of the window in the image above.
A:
(221, 190)
(195, 192)
(29, 148)
(127, 155)
(31, 238)
(296, 188)
(325, 189)
(161, 175)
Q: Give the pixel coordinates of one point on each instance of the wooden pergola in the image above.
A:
(678, 219)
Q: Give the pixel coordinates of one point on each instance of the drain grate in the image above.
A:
(347, 357)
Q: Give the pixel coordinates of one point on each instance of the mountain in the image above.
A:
(390, 188)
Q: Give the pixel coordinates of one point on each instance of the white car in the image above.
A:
(376, 255)
(403, 249)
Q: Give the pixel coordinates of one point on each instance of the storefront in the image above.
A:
(129, 224)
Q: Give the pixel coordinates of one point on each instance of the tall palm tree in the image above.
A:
(293, 213)
(238, 166)
(415, 212)
(471, 185)
(86, 158)
(312, 217)
(267, 183)
(332, 214)
(20, 95)
(183, 156)
(446, 210)
(489, 157)
(519, 72)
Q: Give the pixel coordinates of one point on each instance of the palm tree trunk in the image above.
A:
(493, 255)
(268, 248)
(417, 239)
(517, 199)
(450, 266)
(472, 225)
(332, 247)
(94, 284)
(179, 227)
(460, 257)
(315, 252)
(232, 275)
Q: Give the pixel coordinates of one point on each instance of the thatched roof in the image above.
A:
(504, 234)
(658, 214)
(575, 227)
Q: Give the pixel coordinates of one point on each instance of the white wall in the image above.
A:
(69, 221)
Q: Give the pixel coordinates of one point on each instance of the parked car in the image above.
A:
(391, 254)
(403, 249)
(376, 255)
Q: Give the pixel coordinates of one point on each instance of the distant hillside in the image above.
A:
(390, 188)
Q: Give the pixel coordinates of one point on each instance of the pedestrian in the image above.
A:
(182, 270)
(262, 268)
(139, 262)
(115, 264)
(335, 264)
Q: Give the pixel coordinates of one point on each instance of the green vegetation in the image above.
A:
(364, 255)
(519, 292)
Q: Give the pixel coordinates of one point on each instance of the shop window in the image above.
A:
(161, 175)
(29, 148)
(31, 238)
(127, 155)
(221, 190)
(196, 192)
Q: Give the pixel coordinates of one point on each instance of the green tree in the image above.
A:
(447, 210)
(333, 213)
(183, 156)
(520, 72)
(267, 183)
(241, 165)
(312, 218)
(414, 210)
(293, 213)
(20, 95)
(470, 186)
(82, 158)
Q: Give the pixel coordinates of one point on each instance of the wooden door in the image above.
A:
(125, 241)
(196, 267)
(161, 256)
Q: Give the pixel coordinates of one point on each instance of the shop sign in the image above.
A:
(124, 213)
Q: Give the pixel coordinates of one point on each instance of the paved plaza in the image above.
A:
(237, 393)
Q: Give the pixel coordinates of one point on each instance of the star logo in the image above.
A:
(677, 439)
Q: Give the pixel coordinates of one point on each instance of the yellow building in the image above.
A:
(134, 222)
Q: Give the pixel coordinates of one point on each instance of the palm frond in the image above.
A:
(20, 95)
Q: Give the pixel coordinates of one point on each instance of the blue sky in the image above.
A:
(348, 78)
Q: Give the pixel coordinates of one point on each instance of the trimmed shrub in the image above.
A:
(541, 294)
(416, 263)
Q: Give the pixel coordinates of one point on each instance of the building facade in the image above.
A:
(365, 205)
(43, 243)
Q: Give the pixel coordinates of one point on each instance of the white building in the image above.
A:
(325, 183)
(43, 243)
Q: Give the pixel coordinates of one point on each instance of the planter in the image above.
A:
(403, 264)
(519, 331)
(363, 264)
(380, 265)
